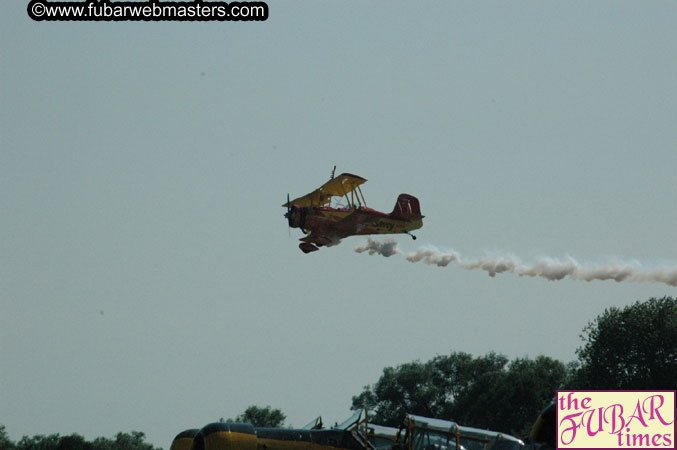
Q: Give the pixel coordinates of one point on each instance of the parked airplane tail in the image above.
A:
(407, 207)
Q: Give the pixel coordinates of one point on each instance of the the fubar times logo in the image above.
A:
(616, 419)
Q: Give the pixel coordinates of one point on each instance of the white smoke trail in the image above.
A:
(386, 248)
(548, 268)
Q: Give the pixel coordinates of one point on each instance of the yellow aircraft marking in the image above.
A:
(182, 444)
(275, 444)
(382, 225)
(228, 440)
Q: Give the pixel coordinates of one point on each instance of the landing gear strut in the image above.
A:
(307, 247)
(412, 236)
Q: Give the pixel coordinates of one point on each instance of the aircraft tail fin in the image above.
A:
(407, 207)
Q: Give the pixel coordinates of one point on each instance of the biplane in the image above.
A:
(337, 209)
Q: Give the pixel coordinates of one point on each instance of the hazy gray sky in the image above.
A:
(147, 278)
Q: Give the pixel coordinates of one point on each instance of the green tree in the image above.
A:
(5, 442)
(483, 392)
(261, 417)
(424, 388)
(39, 442)
(406, 388)
(630, 348)
(509, 400)
(74, 442)
(123, 441)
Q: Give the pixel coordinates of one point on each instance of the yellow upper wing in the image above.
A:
(341, 185)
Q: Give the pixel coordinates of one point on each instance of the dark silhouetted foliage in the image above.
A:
(261, 417)
(485, 392)
(123, 441)
(5, 442)
(630, 348)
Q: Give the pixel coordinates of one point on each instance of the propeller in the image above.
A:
(288, 214)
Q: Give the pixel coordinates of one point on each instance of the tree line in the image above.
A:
(630, 348)
(135, 440)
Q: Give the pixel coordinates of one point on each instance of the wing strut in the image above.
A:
(362, 195)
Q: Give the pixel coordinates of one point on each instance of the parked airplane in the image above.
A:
(356, 433)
